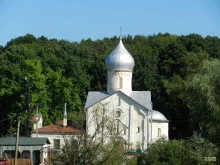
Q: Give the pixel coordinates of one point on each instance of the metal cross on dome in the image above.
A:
(120, 33)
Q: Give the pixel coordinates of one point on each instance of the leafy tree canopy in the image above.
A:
(182, 73)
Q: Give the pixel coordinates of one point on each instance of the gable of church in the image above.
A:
(141, 99)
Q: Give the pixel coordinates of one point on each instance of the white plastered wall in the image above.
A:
(52, 136)
(113, 80)
(40, 123)
(164, 129)
(132, 116)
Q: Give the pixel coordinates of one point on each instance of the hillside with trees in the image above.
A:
(182, 73)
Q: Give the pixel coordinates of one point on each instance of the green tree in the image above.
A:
(178, 152)
(61, 90)
(202, 93)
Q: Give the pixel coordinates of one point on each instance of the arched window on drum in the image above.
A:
(120, 82)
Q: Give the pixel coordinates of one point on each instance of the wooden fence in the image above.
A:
(20, 161)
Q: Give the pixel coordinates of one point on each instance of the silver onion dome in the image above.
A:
(120, 59)
(157, 116)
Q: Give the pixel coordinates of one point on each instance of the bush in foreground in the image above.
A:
(195, 150)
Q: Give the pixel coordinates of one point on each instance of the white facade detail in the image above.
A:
(162, 126)
(52, 137)
(119, 80)
(37, 121)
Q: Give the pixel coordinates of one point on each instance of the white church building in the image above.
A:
(131, 111)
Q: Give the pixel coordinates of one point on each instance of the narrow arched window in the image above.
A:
(159, 132)
(117, 128)
(118, 113)
(119, 101)
(98, 127)
(124, 130)
(138, 129)
(120, 82)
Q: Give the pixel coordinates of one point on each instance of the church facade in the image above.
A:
(130, 112)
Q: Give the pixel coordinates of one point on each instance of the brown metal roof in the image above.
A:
(57, 128)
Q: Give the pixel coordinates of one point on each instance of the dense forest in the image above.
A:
(182, 73)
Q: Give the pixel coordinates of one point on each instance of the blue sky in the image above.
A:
(75, 20)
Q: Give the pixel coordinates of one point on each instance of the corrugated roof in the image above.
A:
(141, 97)
(24, 141)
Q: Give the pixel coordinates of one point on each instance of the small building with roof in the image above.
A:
(28, 147)
(56, 133)
(132, 113)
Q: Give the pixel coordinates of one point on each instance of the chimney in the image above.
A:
(65, 117)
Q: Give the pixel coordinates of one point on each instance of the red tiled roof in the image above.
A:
(56, 128)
